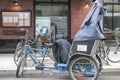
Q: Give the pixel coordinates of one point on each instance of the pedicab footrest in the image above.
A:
(86, 47)
(61, 67)
(64, 65)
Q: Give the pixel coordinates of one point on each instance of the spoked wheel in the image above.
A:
(18, 53)
(83, 68)
(21, 65)
(98, 59)
(114, 57)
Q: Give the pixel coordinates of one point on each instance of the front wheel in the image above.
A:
(21, 65)
(18, 53)
(83, 68)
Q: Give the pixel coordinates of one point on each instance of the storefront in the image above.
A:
(16, 15)
(67, 15)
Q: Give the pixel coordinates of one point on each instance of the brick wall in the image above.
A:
(23, 5)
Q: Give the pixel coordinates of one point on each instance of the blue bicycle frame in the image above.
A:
(58, 66)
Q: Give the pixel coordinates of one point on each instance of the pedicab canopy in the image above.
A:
(92, 26)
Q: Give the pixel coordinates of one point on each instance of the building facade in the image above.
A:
(67, 15)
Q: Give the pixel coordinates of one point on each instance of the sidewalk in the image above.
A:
(7, 64)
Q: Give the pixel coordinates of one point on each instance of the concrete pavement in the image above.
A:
(7, 63)
(49, 75)
(8, 71)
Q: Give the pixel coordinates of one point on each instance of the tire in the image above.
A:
(21, 66)
(99, 62)
(114, 57)
(83, 68)
(18, 53)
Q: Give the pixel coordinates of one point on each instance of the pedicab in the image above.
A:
(78, 59)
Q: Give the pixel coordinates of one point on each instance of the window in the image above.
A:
(112, 18)
(55, 12)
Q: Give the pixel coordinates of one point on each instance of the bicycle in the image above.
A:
(79, 66)
(19, 48)
(103, 51)
(26, 39)
(115, 56)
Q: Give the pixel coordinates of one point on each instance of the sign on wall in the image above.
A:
(16, 19)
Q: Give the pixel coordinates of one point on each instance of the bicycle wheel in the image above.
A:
(18, 52)
(83, 68)
(21, 65)
(114, 57)
(99, 62)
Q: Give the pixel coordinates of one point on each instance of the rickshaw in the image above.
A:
(82, 62)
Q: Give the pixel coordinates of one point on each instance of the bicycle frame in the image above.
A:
(58, 66)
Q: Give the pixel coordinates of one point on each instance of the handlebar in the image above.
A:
(27, 37)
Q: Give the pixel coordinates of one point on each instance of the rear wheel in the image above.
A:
(83, 68)
(21, 65)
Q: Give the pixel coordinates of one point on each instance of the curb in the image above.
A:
(111, 71)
